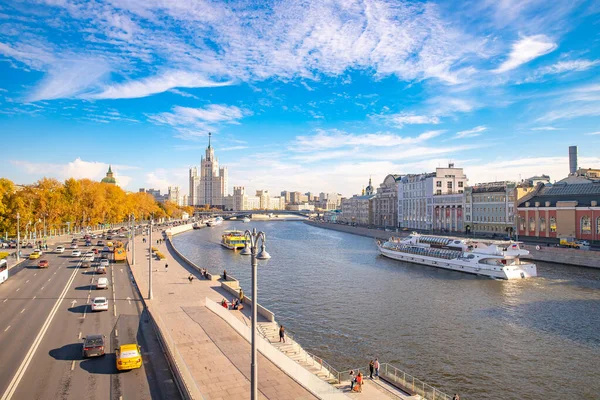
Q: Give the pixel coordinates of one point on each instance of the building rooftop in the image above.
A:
(583, 193)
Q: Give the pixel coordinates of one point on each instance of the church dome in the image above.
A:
(109, 177)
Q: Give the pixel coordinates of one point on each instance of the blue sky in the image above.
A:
(309, 96)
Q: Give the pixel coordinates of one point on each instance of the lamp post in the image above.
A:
(252, 239)
(132, 234)
(150, 261)
(18, 237)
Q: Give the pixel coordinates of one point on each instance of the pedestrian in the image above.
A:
(281, 334)
(352, 379)
(241, 295)
(371, 369)
(166, 267)
(456, 397)
(191, 278)
(359, 381)
(376, 368)
(224, 274)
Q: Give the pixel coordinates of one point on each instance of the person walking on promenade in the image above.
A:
(191, 278)
(241, 295)
(166, 267)
(359, 382)
(456, 397)
(224, 274)
(371, 368)
(281, 334)
(376, 365)
(352, 379)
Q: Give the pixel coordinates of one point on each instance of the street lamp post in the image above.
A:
(150, 261)
(252, 239)
(18, 237)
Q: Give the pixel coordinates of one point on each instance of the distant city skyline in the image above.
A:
(314, 97)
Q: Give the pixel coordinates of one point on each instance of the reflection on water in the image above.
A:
(486, 339)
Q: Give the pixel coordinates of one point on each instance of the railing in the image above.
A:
(401, 378)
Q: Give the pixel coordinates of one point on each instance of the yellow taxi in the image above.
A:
(129, 356)
(35, 255)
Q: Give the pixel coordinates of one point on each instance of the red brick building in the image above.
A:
(561, 210)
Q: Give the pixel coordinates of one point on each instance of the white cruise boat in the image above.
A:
(246, 220)
(496, 259)
(215, 221)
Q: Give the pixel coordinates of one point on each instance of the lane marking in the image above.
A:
(27, 281)
(49, 279)
(7, 328)
(79, 336)
(73, 365)
(34, 297)
(116, 333)
(42, 287)
(14, 383)
(115, 310)
(35, 274)
(22, 311)
(18, 289)
(5, 300)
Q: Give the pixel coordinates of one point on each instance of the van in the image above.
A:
(102, 283)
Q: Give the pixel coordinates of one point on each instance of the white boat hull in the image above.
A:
(519, 271)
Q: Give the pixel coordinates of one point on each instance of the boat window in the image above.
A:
(471, 256)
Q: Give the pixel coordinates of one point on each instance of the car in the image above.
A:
(35, 255)
(59, 249)
(99, 304)
(85, 264)
(100, 270)
(104, 262)
(110, 244)
(106, 250)
(93, 345)
(100, 243)
(43, 264)
(129, 356)
(102, 283)
(109, 238)
(73, 245)
(38, 250)
(88, 242)
(122, 235)
(76, 253)
(95, 251)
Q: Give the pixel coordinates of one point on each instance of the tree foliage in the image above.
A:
(78, 202)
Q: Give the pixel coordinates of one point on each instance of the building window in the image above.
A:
(449, 184)
(438, 183)
(598, 226)
(521, 223)
(542, 224)
(531, 224)
(460, 184)
(552, 224)
(439, 191)
(586, 224)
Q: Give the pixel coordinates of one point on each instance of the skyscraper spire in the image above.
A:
(209, 134)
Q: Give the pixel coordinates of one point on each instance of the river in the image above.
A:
(485, 339)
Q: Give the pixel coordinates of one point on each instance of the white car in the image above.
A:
(104, 262)
(76, 253)
(73, 245)
(59, 249)
(102, 283)
(100, 304)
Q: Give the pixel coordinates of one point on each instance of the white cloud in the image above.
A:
(593, 133)
(156, 84)
(77, 169)
(411, 119)
(545, 128)
(471, 132)
(526, 49)
(334, 138)
(182, 93)
(561, 67)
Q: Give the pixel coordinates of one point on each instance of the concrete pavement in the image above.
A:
(215, 354)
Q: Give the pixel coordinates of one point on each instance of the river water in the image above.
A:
(485, 339)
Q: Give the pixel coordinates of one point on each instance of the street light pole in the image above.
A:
(252, 239)
(150, 261)
(133, 240)
(18, 237)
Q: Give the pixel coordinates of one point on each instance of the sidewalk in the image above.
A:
(217, 357)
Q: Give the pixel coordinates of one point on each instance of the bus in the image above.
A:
(3, 270)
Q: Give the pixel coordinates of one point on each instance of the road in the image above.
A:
(46, 312)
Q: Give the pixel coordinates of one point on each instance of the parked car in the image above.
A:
(102, 283)
(129, 356)
(100, 304)
(93, 345)
(43, 264)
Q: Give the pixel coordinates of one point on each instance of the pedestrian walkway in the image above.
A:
(217, 357)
